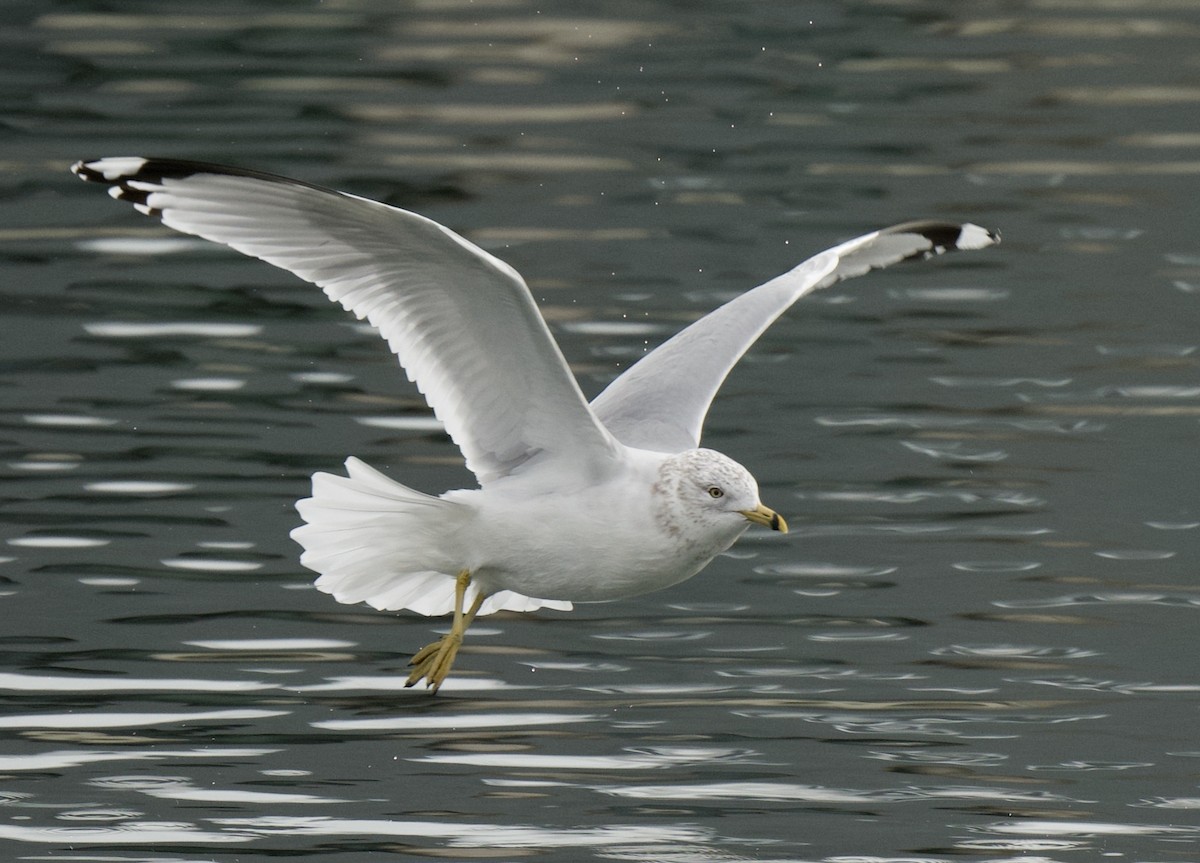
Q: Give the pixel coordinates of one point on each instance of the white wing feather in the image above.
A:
(462, 322)
(660, 402)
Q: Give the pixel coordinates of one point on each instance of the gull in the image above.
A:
(576, 502)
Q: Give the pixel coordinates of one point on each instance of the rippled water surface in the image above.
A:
(977, 643)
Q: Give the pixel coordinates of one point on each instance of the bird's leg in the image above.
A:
(433, 661)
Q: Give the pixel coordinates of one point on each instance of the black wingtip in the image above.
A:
(152, 169)
(945, 237)
(130, 178)
(135, 178)
(126, 169)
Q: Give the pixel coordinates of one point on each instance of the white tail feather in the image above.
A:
(376, 541)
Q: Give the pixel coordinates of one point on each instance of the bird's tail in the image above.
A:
(376, 541)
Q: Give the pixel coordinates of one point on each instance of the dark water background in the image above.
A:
(979, 641)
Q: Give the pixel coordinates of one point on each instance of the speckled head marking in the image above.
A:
(701, 495)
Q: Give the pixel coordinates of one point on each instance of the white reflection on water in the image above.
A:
(926, 756)
(58, 542)
(209, 384)
(977, 530)
(578, 666)
(613, 328)
(778, 792)
(49, 683)
(659, 688)
(182, 788)
(134, 832)
(1090, 766)
(454, 721)
(1013, 651)
(1022, 845)
(822, 570)
(953, 295)
(69, 420)
(935, 495)
(1135, 554)
(64, 758)
(321, 377)
(1151, 350)
(461, 834)
(211, 564)
(1085, 828)
(138, 486)
(1151, 392)
(144, 329)
(857, 636)
(940, 421)
(996, 565)
(954, 451)
(91, 719)
(963, 381)
(420, 422)
(258, 644)
(1089, 684)
(964, 726)
(97, 816)
(141, 245)
(653, 635)
(643, 759)
(787, 792)
(42, 465)
(399, 682)
(1171, 803)
(1108, 598)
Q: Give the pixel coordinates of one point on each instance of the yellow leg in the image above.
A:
(433, 661)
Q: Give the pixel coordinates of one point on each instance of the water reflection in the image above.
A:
(963, 446)
(182, 788)
(465, 834)
(131, 832)
(649, 759)
(94, 719)
(454, 721)
(48, 683)
(1105, 598)
(784, 793)
(65, 759)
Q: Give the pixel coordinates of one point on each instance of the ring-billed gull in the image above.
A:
(576, 502)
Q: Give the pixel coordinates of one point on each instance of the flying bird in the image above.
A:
(576, 502)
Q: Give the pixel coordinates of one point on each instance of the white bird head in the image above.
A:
(709, 490)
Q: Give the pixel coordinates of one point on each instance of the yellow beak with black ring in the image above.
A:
(765, 516)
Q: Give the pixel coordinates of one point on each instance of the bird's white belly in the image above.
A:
(607, 550)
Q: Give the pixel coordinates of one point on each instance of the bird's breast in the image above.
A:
(589, 548)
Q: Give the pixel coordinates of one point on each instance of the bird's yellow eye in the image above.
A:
(715, 491)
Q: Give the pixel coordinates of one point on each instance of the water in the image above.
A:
(977, 642)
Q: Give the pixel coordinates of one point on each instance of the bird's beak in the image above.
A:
(766, 517)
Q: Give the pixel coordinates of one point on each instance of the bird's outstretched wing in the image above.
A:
(660, 402)
(462, 322)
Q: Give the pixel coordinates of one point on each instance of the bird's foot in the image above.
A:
(432, 662)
